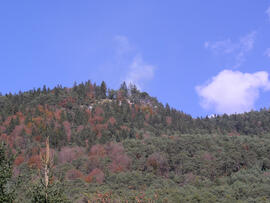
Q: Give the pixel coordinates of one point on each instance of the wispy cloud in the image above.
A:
(268, 12)
(137, 71)
(237, 49)
(233, 91)
(123, 45)
(267, 52)
(224, 46)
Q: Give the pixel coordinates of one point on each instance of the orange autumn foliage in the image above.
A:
(19, 160)
(4, 137)
(8, 119)
(97, 151)
(28, 128)
(88, 179)
(21, 117)
(112, 121)
(57, 114)
(120, 161)
(147, 116)
(35, 150)
(35, 162)
(37, 138)
(17, 130)
(49, 115)
(67, 100)
(40, 108)
(37, 120)
(96, 175)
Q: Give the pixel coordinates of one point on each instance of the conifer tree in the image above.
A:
(124, 89)
(103, 88)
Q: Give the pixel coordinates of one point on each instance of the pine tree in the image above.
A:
(124, 89)
(103, 88)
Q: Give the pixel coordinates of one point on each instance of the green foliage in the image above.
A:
(6, 161)
(137, 148)
(52, 194)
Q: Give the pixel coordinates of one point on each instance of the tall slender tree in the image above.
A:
(103, 88)
(47, 190)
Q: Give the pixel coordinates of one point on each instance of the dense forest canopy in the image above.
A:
(124, 145)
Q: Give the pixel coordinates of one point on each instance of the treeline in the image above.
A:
(154, 113)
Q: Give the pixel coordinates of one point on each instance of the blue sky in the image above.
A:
(201, 57)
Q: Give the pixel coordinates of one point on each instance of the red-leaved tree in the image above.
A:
(95, 175)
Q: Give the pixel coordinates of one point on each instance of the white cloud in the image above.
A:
(237, 49)
(267, 52)
(135, 69)
(233, 91)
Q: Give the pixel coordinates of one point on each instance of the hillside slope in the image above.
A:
(124, 145)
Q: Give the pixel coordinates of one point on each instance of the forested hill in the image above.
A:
(123, 144)
(128, 106)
